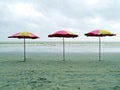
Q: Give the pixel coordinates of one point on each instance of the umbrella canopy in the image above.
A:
(24, 35)
(63, 34)
(99, 33)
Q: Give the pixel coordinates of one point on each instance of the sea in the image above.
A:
(71, 47)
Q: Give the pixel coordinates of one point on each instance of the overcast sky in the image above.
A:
(43, 17)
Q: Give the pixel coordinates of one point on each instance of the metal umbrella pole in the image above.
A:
(99, 48)
(24, 51)
(63, 49)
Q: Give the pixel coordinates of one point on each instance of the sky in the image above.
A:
(43, 17)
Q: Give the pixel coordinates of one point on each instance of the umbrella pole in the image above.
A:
(63, 50)
(99, 49)
(24, 51)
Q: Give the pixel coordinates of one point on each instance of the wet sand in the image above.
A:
(47, 71)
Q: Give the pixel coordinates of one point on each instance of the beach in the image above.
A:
(45, 69)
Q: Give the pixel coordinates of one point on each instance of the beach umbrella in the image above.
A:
(99, 33)
(63, 34)
(24, 35)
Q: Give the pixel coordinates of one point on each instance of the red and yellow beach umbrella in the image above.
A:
(63, 34)
(99, 33)
(24, 35)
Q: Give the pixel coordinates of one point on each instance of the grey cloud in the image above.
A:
(59, 14)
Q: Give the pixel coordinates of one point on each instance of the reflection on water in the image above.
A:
(57, 47)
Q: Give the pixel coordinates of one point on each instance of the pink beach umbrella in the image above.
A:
(24, 35)
(63, 34)
(99, 33)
